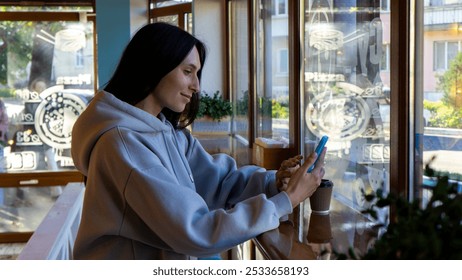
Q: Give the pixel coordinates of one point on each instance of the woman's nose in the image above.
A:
(195, 85)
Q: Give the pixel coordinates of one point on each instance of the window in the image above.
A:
(79, 58)
(347, 94)
(177, 12)
(440, 101)
(46, 54)
(385, 6)
(436, 2)
(238, 56)
(280, 7)
(47, 77)
(272, 68)
(441, 2)
(450, 2)
(444, 53)
(283, 61)
(385, 64)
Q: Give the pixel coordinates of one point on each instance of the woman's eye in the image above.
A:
(187, 71)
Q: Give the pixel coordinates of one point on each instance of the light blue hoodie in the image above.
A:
(154, 193)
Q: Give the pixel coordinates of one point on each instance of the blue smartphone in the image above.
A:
(319, 148)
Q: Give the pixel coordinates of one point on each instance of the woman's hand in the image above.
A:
(301, 184)
(288, 167)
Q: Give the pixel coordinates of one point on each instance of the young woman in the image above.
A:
(152, 191)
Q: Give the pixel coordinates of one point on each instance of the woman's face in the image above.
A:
(174, 91)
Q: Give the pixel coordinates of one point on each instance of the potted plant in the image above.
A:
(426, 231)
(214, 115)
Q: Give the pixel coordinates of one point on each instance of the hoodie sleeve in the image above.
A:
(220, 182)
(182, 219)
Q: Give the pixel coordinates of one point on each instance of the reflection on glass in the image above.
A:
(167, 3)
(346, 94)
(239, 78)
(273, 74)
(178, 13)
(442, 89)
(47, 78)
(319, 235)
(168, 19)
(22, 209)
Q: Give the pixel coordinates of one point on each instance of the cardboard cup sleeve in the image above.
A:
(320, 200)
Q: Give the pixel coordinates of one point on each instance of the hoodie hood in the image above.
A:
(105, 112)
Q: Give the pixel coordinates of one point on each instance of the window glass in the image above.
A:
(239, 78)
(442, 91)
(449, 2)
(47, 76)
(283, 61)
(178, 12)
(162, 3)
(385, 64)
(346, 94)
(453, 50)
(46, 80)
(436, 2)
(272, 79)
(281, 7)
(440, 56)
(385, 5)
(169, 19)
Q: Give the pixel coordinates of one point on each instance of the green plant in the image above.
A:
(214, 106)
(266, 107)
(431, 231)
(443, 115)
(451, 83)
(279, 110)
(6, 92)
(242, 104)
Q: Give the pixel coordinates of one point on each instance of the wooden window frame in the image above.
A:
(179, 10)
(42, 178)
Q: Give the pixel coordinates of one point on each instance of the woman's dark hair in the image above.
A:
(154, 51)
